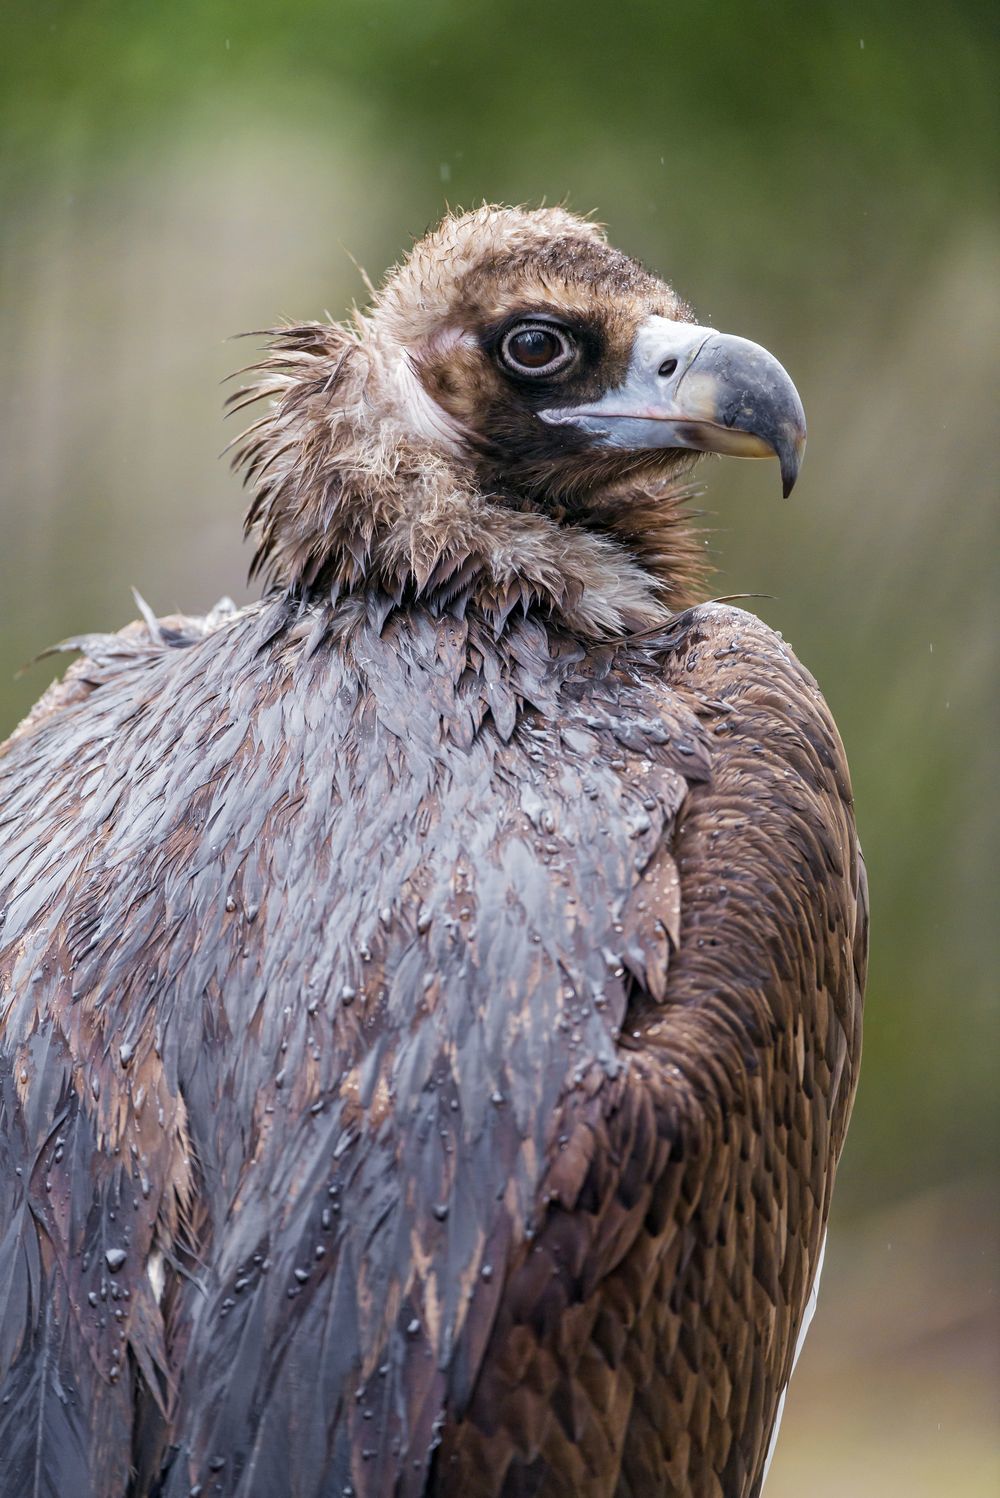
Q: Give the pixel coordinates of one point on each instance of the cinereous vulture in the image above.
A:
(430, 996)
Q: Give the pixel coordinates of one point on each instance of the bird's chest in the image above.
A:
(405, 861)
(343, 881)
(408, 881)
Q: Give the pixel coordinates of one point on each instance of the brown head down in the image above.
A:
(511, 424)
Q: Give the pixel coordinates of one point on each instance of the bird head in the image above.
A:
(558, 363)
(509, 422)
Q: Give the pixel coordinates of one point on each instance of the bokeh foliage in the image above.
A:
(815, 175)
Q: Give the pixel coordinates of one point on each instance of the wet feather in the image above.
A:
(429, 996)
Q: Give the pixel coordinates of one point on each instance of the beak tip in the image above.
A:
(790, 459)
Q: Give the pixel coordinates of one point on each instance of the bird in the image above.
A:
(431, 994)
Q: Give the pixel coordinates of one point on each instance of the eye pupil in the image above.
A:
(534, 348)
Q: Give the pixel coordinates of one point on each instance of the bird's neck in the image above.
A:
(347, 500)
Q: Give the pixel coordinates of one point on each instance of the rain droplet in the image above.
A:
(115, 1258)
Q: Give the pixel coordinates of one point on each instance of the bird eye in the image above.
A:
(537, 349)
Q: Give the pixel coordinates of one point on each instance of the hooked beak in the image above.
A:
(692, 387)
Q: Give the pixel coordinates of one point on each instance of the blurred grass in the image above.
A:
(895, 1393)
(816, 177)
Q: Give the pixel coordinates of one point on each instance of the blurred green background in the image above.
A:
(816, 176)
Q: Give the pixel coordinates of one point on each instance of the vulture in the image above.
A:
(430, 996)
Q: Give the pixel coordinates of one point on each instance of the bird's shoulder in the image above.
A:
(715, 654)
(106, 658)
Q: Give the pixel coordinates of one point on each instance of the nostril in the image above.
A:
(667, 368)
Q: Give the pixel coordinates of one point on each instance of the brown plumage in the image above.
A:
(430, 997)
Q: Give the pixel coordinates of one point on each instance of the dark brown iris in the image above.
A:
(534, 348)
